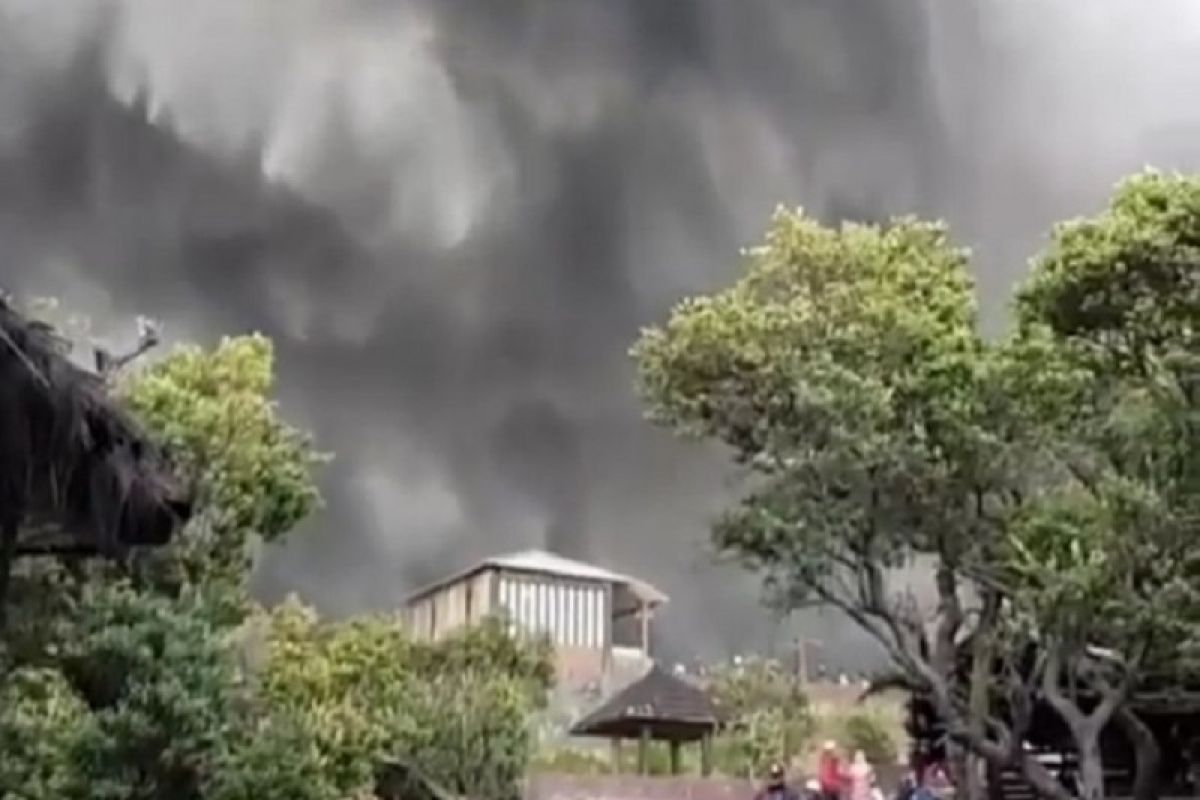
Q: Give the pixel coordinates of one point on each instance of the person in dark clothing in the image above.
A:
(776, 787)
(907, 788)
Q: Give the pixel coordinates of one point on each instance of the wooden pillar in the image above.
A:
(614, 755)
(675, 764)
(644, 752)
(706, 754)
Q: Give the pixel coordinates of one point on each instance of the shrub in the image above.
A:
(869, 734)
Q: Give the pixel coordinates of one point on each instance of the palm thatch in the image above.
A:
(73, 463)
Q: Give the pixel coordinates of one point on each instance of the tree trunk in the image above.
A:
(1091, 765)
(958, 767)
(995, 781)
(978, 705)
(1033, 773)
(1146, 751)
(975, 786)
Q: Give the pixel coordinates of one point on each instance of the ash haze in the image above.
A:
(454, 215)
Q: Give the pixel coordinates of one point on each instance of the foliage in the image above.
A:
(461, 708)
(142, 700)
(768, 714)
(490, 647)
(143, 683)
(845, 370)
(1109, 557)
(42, 722)
(255, 471)
(1052, 471)
(865, 732)
(273, 758)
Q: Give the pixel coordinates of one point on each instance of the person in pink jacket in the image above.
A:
(860, 777)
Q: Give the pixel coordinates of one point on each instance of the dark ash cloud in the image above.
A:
(453, 221)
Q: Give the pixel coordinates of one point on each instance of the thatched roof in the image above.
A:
(72, 461)
(668, 707)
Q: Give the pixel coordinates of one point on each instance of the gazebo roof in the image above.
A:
(72, 459)
(666, 706)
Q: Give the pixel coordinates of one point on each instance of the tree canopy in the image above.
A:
(1048, 476)
(253, 470)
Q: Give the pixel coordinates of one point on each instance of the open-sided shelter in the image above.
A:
(658, 707)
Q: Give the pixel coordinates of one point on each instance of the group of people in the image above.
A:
(837, 780)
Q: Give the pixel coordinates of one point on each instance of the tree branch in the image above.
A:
(1052, 690)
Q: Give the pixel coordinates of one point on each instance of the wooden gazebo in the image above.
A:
(658, 707)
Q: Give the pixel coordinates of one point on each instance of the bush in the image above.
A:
(865, 732)
(768, 715)
(462, 708)
(41, 724)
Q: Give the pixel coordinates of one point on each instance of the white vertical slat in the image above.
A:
(514, 605)
(502, 597)
(543, 607)
(572, 615)
(605, 616)
(564, 618)
(597, 618)
(552, 610)
(539, 596)
(531, 606)
(564, 615)
(525, 603)
(599, 594)
(581, 617)
(586, 639)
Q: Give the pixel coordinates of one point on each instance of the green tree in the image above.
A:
(1104, 567)
(1051, 473)
(214, 409)
(845, 371)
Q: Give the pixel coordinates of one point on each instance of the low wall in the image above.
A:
(632, 787)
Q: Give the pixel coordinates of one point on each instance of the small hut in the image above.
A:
(659, 707)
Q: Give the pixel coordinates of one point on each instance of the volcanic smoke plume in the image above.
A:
(453, 217)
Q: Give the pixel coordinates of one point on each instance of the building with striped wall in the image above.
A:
(592, 615)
